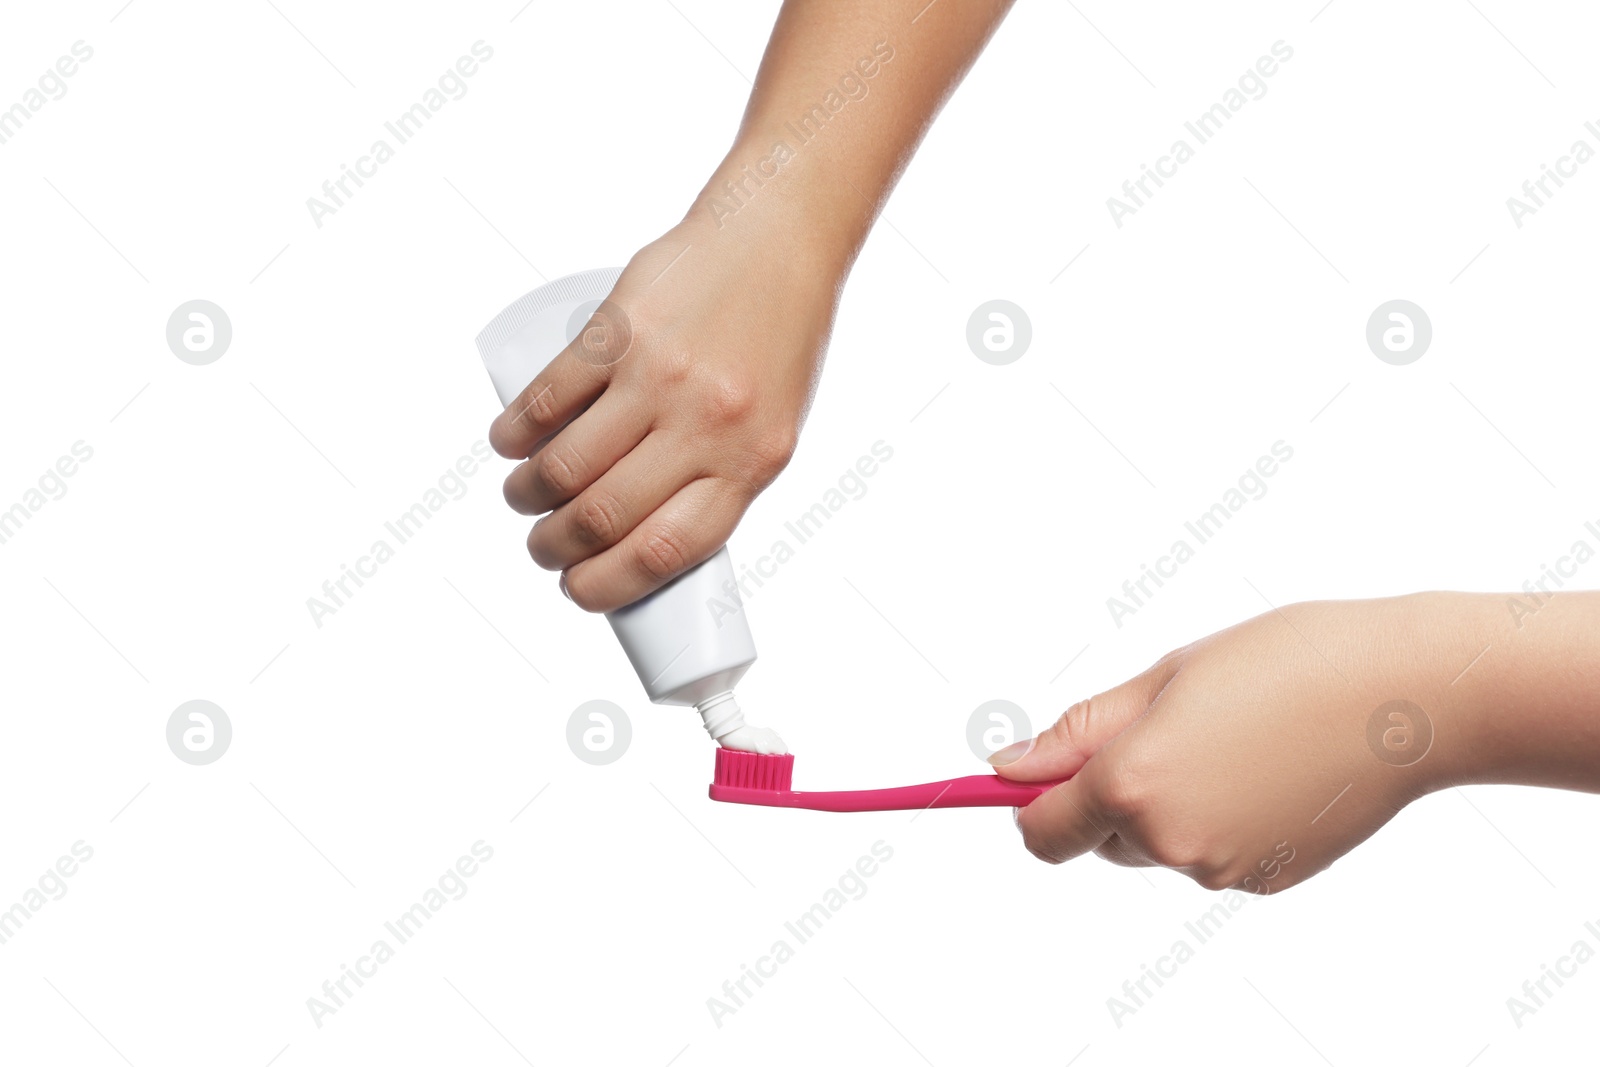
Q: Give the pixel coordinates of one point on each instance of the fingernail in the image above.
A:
(563, 584)
(1016, 818)
(1011, 753)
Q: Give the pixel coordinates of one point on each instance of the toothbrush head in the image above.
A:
(751, 770)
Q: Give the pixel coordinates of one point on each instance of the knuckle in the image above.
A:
(558, 471)
(1036, 838)
(1214, 878)
(595, 520)
(1170, 657)
(1173, 852)
(663, 554)
(1075, 726)
(731, 399)
(772, 452)
(539, 413)
(1124, 792)
(1040, 850)
(1115, 850)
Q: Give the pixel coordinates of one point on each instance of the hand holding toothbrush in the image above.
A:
(1254, 758)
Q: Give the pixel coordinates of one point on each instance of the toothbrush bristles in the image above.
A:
(751, 770)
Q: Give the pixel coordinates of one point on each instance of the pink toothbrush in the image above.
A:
(750, 778)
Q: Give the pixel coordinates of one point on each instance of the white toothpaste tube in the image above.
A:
(683, 654)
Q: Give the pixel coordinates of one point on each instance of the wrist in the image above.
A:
(764, 194)
(1451, 668)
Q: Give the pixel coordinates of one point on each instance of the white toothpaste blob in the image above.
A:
(724, 721)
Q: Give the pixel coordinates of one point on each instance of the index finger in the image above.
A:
(570, 382)
(558, 394)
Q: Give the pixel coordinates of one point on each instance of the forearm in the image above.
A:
(843, 97)
(1509, 685)
(1534, 696)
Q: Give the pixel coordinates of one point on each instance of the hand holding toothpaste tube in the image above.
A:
(647, 439)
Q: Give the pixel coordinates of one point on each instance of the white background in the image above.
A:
(368, 754)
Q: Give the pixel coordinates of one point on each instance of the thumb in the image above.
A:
(1084, 728)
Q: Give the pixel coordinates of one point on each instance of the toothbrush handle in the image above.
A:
(973, 791)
